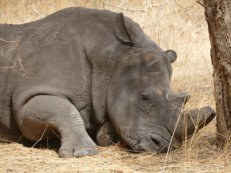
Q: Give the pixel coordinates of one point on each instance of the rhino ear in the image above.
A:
(127, 31)
(171, 55)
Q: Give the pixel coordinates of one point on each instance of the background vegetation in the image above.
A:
(173, 24)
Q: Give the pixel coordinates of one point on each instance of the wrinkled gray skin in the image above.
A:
(84, 71)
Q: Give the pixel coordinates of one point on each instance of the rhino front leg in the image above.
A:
(56, 113)
(106, 135)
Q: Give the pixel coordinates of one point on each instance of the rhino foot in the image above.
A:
(86, 151)
(77, 145)
(105, 140)
(76, 152)
(106, 135)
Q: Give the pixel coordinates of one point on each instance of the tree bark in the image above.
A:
(218, 16)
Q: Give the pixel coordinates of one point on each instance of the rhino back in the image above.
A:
(70, 53)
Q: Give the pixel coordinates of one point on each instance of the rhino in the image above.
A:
(90, 76)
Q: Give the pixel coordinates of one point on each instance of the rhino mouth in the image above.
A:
(150, 141)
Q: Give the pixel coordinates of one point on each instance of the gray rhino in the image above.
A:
(85, 72)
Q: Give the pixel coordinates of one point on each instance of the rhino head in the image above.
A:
(142, 107)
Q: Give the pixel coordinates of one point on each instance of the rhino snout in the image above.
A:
(155, 141)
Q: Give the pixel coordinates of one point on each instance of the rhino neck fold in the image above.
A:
(103, 66)
(101, 77)
(103, 70)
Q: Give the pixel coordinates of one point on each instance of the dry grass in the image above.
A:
(178, 25)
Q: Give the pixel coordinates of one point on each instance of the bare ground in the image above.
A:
(178, 25)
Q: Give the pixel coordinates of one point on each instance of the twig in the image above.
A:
(7, 41)
(161, 4)
(47, 142)
(125, 9)
(130, 9)
(203, 5)
(35, 10)
(57, 135)
(20, 17)
(40, 137)
(20, 59)
(1, 51)
(171, 140)
(19, 139)
(5, 140)
(121, 4)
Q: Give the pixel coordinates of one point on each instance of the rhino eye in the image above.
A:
(145, 97)
(144, 100)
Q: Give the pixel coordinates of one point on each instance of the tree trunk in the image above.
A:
(218, 16)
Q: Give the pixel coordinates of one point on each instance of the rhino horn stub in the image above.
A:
(178, 98)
